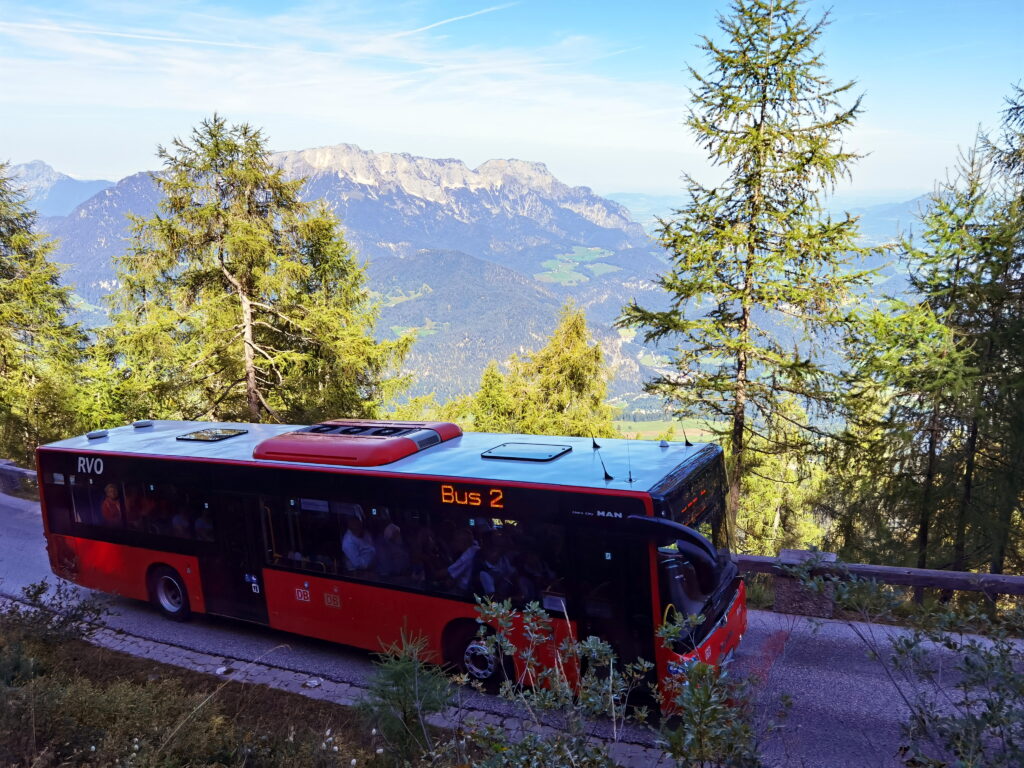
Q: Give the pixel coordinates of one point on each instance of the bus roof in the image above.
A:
(647, 462)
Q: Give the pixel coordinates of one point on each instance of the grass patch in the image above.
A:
(64, 701)
(602, 269)
(563, 267)
(652, 359)
(429, 328)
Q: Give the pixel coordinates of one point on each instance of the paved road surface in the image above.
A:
(845, 712)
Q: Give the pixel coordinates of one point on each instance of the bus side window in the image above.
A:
(83, 509)
(277, 537)
(58, 502)
(319, 529)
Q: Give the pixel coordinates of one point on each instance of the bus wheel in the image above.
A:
(476, 658)
(168, 594)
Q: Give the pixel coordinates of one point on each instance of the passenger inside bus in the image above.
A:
(181, 524)
(204, 525)
(392, 554)
(111, 509)
(466, 548)
(357, 545)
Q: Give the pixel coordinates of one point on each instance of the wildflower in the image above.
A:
(373, 732)
(334, 748)
(380, 750)
(354, 761)
(327, 732)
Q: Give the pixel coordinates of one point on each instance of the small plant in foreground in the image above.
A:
(712, 722)
(51, 613)
(404, 692)
(568, 688)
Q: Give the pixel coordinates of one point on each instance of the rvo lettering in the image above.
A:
(90, 464)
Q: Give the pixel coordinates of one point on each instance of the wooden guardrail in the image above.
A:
(17, 481)
(793, 597)
(989, 583)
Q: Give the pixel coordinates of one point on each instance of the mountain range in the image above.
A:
(475, 261)
(52, 193)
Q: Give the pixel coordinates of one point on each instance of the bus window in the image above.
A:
(84, 500)
(58, 502)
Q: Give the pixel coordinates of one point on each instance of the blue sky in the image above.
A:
(596, 90)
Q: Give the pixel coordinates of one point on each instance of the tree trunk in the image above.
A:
(1009, 498)
(926, 499)
(252, 395)
(739, 422)
(960, 535)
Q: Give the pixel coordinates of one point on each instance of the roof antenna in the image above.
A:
(601, 458)
(594, 440)
(629, 464)
(686, 440)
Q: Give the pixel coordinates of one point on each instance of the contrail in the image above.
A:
(133, 35)
(492, 9)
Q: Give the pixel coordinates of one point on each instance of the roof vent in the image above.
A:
(526, 451)
(347, 442)
(142, 423)
(211, 434)
(96, 434)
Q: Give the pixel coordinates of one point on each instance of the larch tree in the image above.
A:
(759, 273)
(40, 348)
(560, 389)
(1006, 309)
(237, 300)
(935, 438)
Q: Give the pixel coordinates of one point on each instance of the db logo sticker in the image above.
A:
(332, 601)
(302, 595)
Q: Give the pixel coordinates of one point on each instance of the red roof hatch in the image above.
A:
(355, 442)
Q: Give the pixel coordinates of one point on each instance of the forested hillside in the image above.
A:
(507, 240)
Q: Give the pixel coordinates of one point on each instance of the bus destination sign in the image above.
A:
(488, 498)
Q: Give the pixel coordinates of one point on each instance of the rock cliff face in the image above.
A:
(475, 261)
(502, 185)
(399, 204)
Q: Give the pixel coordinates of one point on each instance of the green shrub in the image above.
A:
(403, 693)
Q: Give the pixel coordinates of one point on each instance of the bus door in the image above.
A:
(232, 581)
(612, 591)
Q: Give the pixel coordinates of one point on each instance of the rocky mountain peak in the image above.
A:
(511, 186)
(36, 177)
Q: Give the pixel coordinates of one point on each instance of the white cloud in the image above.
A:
(349, 80)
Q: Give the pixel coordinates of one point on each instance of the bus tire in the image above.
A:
(168, 594)
(473, 656)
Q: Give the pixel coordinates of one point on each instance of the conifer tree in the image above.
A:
(1006, 321)
(239, 301)
(933, 456)
(39, 347)
(759, 272)
(558, 390)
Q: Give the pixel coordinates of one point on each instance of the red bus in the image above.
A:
(351, 531)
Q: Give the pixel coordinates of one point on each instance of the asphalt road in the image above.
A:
(845, 711)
